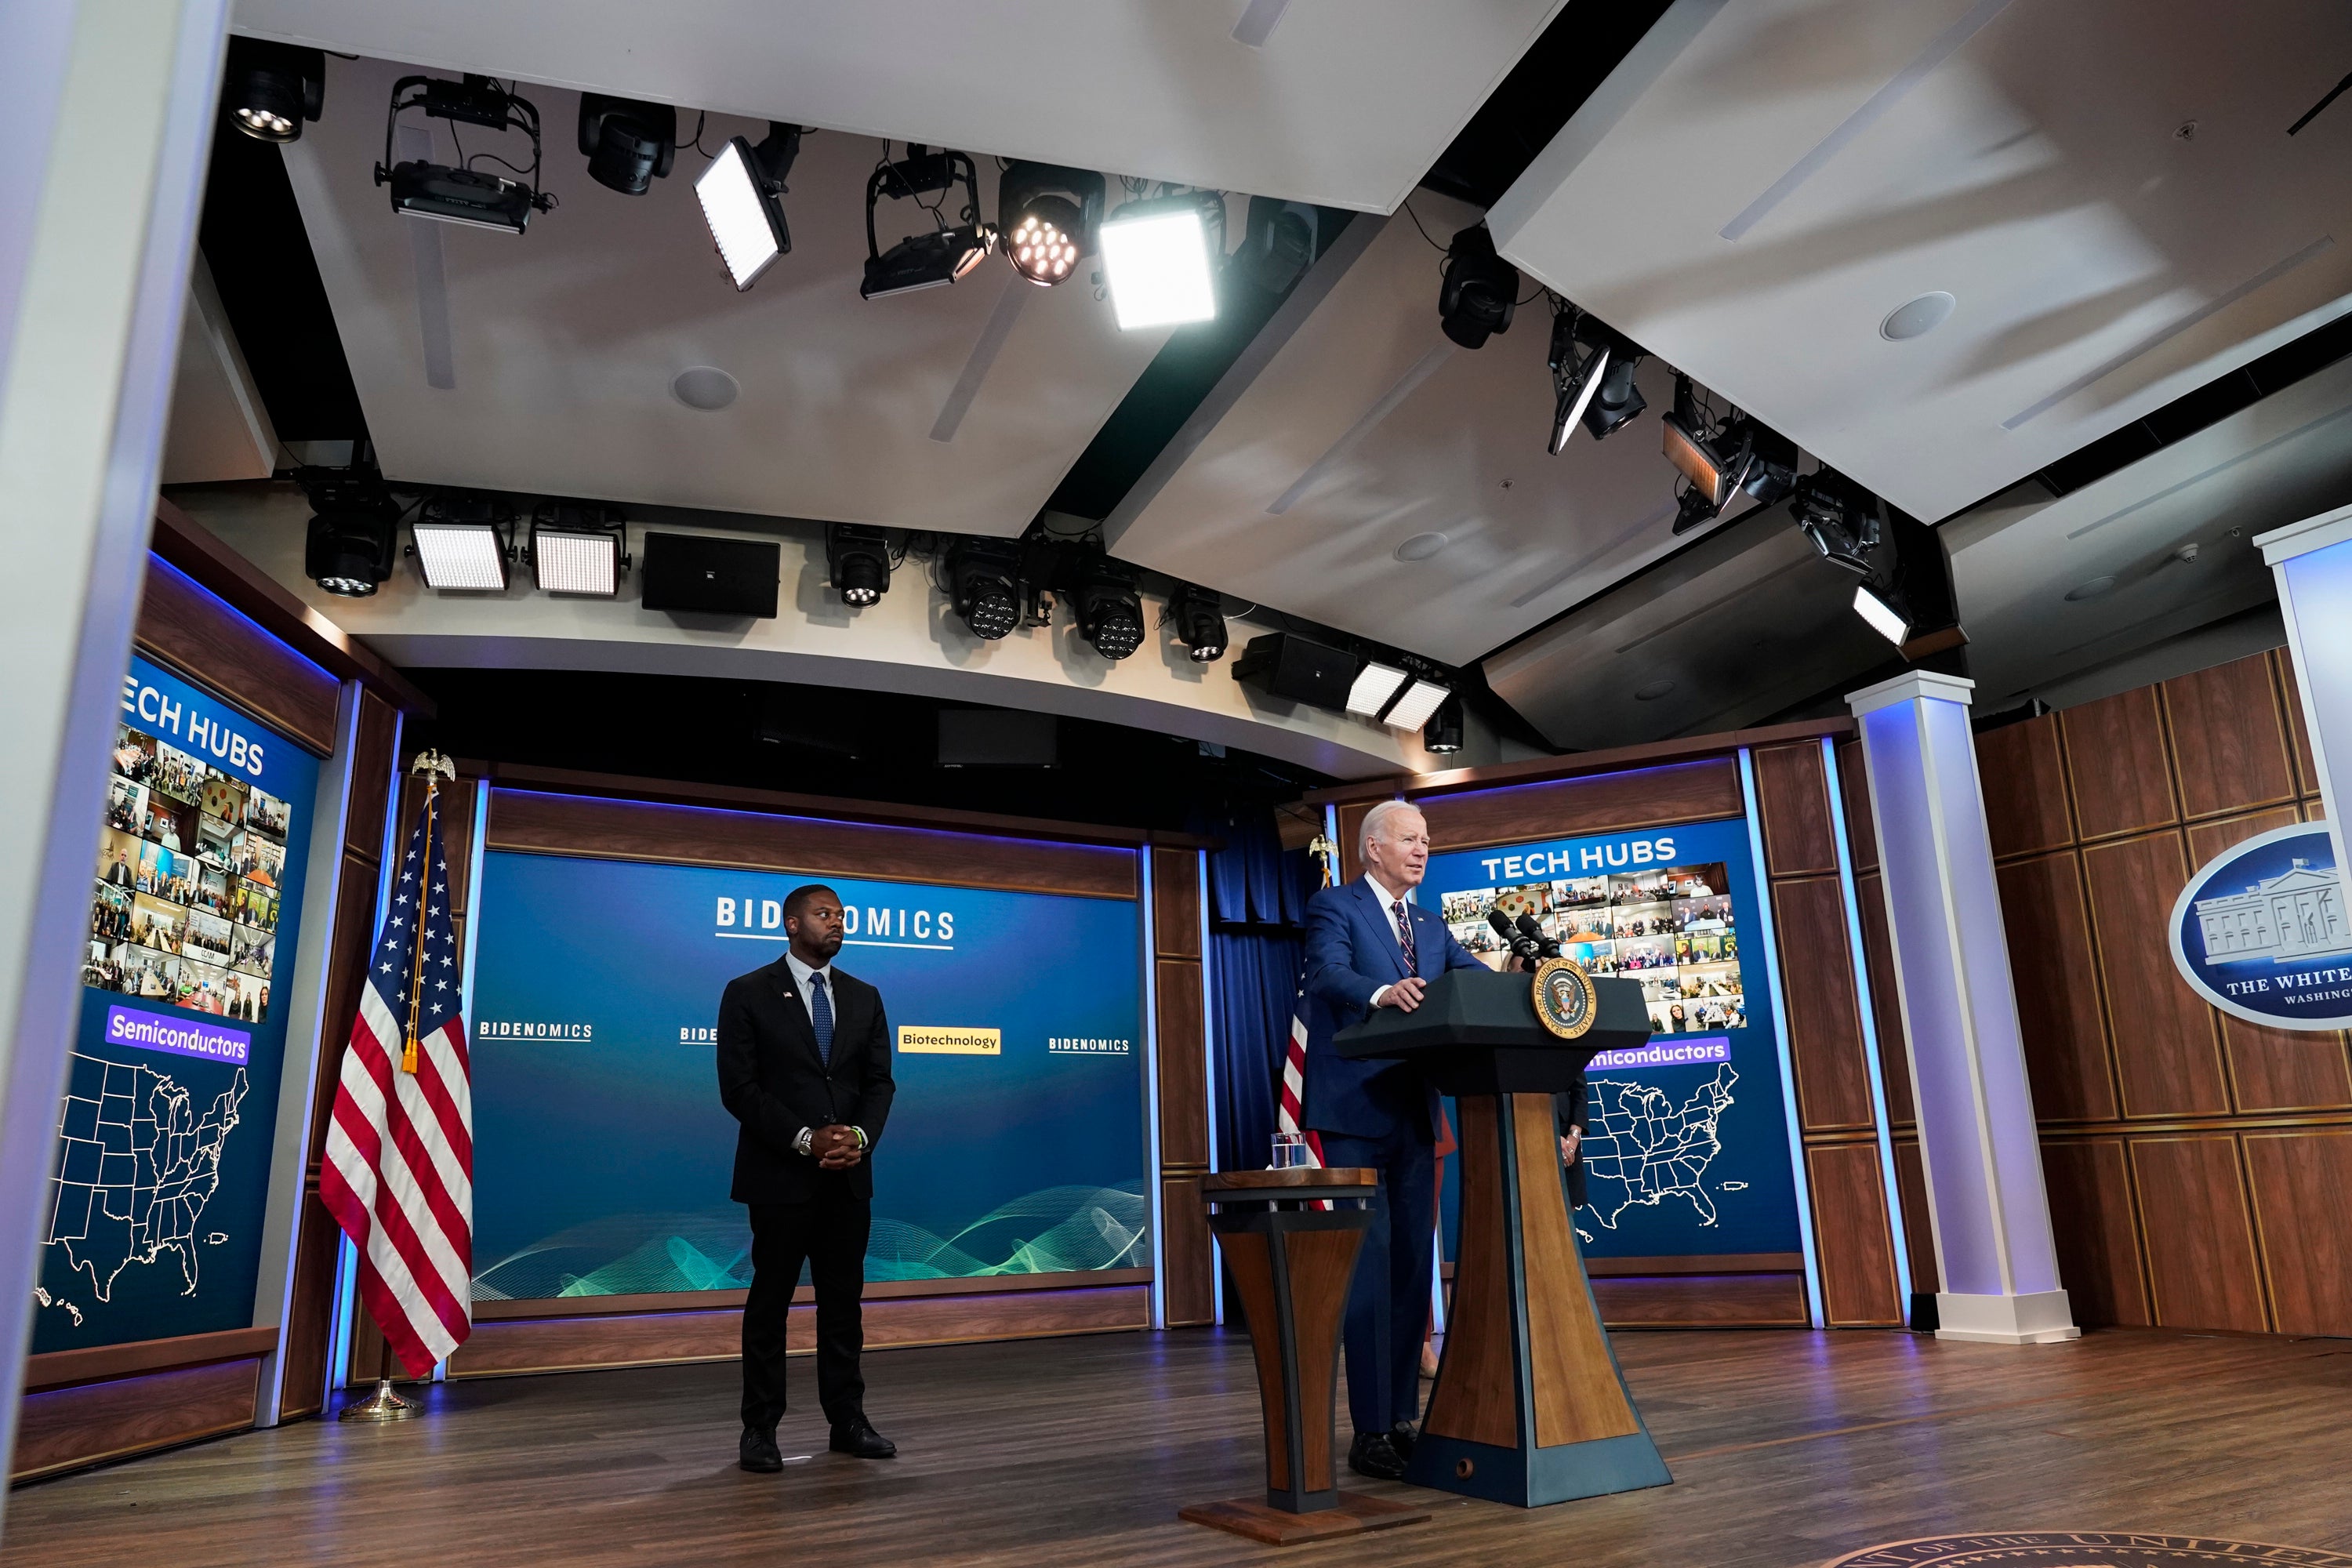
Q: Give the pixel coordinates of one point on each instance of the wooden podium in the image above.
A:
(1529, 1406)
(1291, 1258)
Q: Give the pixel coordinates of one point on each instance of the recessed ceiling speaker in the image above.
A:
(706, 388)
(1917, 318)
(709, 575)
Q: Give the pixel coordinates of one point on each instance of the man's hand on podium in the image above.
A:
(1404, 996)
(836, 1148)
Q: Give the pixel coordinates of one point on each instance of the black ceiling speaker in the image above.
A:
(1285, 665)
(715, 576)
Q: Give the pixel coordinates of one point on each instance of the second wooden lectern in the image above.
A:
(1529, 1406)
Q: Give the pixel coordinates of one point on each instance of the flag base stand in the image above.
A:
(384, 1405)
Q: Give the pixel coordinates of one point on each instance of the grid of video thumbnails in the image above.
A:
(1672, 929)
(189, 874)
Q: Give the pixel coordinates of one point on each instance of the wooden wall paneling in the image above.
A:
(66, 1429)
(371, 767)
(638, 830)
(1885, 1001)
(184, 625)
(1603, 802)
(1918, 1223)
(1191, 1285)
(2053, 964)
(1861, 826)
(2302, 1185)
(2115, 760)
(302, 1369)
(2167, 1054)
(1824, 1018)
(1857, 1246)
(2199, 1233)
(1184, 1085)
(1702, 1302)
(2306, 772)
(1176, 902)
(1351, 817)
(1792, 798)
(2097, 1237)
(2230, 745)
(2023, 775)
(347, 961)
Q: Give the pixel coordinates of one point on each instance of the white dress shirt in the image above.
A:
(802, 973)
(1386, 898)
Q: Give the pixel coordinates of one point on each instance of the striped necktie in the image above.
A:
(1404, 938)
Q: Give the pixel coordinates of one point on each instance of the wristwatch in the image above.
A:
(801, 1143)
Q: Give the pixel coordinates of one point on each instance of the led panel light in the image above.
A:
(1157, 261)
(1413, 708)
(461, 557)
(585, 564)
(744, 221)
(1882, 610)
(1374, 686)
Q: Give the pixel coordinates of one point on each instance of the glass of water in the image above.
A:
(1290, 1150)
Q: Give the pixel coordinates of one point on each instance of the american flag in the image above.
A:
(399, 1169)
(1292, 1098)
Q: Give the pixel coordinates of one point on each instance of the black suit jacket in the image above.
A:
(1574, 1108)
(775, 1080)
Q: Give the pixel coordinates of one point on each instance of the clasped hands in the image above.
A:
(836, 1148)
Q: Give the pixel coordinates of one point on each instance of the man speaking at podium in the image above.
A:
(1367, 948)
(804, 1065)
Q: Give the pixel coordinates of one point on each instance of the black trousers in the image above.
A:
(829, 1235)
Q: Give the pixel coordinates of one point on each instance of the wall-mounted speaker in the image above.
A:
(713, 576)
(1284, 663)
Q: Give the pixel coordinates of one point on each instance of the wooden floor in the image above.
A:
(1788, 1448)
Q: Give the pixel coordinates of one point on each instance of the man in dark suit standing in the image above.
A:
(1367, 948)
(1571, 1110)
(804, 1065)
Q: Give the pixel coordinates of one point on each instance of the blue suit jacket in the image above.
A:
(1351, 952)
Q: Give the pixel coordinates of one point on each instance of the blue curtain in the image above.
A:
(1257, 907)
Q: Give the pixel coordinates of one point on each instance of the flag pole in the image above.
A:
(384, 1405)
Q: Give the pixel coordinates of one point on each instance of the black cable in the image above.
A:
(1425, 233)
(700, 117)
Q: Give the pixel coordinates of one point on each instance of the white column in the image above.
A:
(1977, 1136)
(107, 106)
(2312, 562)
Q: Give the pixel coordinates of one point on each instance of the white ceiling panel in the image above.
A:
(546, 362)
(1367, 428)
(1344, 102)
(2106, 187)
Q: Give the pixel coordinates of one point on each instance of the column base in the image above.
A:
(2042, 1318)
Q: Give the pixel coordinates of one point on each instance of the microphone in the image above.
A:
(1519, 943)
(1533, 934)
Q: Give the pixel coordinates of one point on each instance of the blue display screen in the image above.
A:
(602, 1157)
(1688, 1150)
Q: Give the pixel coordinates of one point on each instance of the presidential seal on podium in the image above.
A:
(1564, 997)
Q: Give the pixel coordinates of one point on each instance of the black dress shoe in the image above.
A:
(1401, 1436)
(1371, 1455)
(857, 1438)
(757, 1452)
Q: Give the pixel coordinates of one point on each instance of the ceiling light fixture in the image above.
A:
(1161, 262)
(463, 543)
(1443, 734)
(984, 586)
(858, 563)
(1110, 609)
(1591, 374)
(1883, 608)
(457, 193)
(578, 550)
(944, 254)
(1723, 457)
(1199, 616)
(1278, 243)
(1839, 518)
(1374, 688)
(270, 90)
(1480, 289)
(348, 550)
(742, 197)
(1046, 217)
(1415, 705)
(628, 144)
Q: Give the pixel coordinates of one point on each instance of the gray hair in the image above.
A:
(1376, 819)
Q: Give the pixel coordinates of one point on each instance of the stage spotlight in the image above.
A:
(1712, 464)
(1839, 518)
(349, 549)
(1443, 734)
(1110, 610)
(1415, 705)
(628, 144)
(578, 550)
(1480, 291)
(1046, 218)
(270, 90)
(1277, 244)
(463, 543)
(457, 193)
(1592, 377)
(742, 195)
(984, 586)
(1161, 262)
(1883, 608)
(1693, 510)
(1375, 686)
(947, 252)
(858, 563)
(1199, 616)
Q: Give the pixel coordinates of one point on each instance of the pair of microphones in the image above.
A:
(1527, 938)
